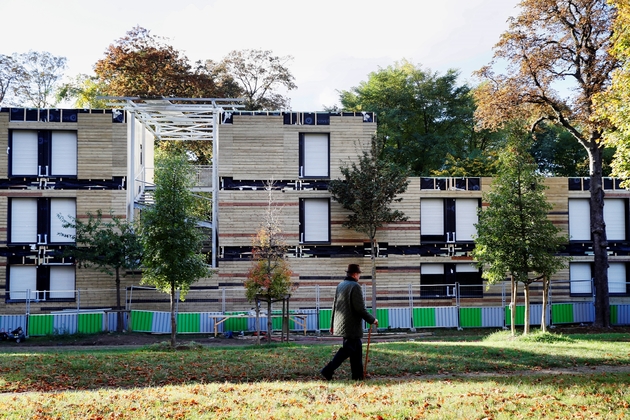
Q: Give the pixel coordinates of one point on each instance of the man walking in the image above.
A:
(347, 313)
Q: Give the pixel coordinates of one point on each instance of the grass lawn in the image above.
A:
(543, 376)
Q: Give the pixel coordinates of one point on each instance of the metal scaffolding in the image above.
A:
(177, 119)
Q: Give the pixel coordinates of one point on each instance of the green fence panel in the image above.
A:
(423, 317)
(236, 324)
(40, 325)
(90, 323)
(189, 322)
(470, 317)
(276, 321)
(141, 321)
(614, 310)
(325, 316)
(562, 313)
(520, 315)
(383, 317)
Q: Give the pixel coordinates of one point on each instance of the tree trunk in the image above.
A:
(173, 318)
(600, 242)
(119, 317)
(545, 302)
(269, 324)
(373, 256)
(513, 289)
(527, 308)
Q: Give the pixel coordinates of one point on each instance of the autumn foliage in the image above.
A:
(270, 274)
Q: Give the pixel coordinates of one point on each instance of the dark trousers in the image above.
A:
(352, 348)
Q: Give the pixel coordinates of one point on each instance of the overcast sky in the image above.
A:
(335, 44)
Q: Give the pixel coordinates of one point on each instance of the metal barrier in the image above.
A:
(411, 307)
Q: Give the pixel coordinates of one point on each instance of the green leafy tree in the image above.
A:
(112, 247)
(84, 90)
(269, 278)
(260, 75)
(514, 235)
(171, 240)
(367, 189)
(554, 61)
(423, 116)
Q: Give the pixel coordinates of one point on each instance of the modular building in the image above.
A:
(72, 162)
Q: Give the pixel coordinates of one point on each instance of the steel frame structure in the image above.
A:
(182, 119)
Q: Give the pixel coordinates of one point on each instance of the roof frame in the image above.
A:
(176, 118)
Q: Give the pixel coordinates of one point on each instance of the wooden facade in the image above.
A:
(423, 261)
(257, 148)
(79, 164)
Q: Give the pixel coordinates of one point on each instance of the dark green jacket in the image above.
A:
(349, 309)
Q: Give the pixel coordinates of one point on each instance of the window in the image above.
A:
(615, 216)
(617, 279)
(314, 155)
(36, 221)
(581, 278)
(439, 280)
(580, 274)
(315, 220)
(45, 282)
(448, 220)
(579, 220)
(42, 153)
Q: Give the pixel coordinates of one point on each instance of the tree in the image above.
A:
(367, 190)
(39, 75)
(84, 90)
(269, 278)
(11, 73)
(612, 104)
(548, 44)
(423, 116)
(109, 246)
(514, 234)
(259, 75)
(169, 234)
(142, 64)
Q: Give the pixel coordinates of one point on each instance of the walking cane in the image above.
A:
(367, 352)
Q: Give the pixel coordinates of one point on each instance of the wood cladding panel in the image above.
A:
(261, 148)
(4, 144)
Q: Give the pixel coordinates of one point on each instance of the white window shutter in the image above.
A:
(62, 281)
(466, 218)
(617, 278)
(580, 274)
(24, 153)
(67, 208)
(316, 223)
(615, 218)
(579, 219)
(432, 269)
(316, 160)
(24, 220)
(432, 216)
(22, 278)
(63, 159)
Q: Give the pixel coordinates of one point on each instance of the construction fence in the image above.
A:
(221, 310)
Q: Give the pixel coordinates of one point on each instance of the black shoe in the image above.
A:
(327, 376)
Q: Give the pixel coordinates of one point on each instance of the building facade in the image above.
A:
(74, 162)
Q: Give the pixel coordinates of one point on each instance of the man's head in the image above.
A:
(353, 270)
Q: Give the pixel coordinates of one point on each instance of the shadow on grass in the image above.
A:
(153, 366)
